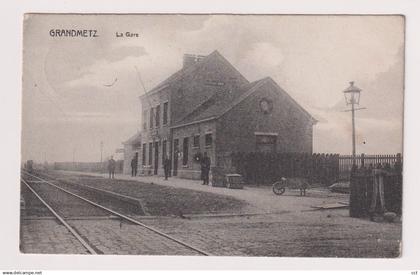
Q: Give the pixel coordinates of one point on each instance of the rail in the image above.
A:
(123, 216)
(69, 228)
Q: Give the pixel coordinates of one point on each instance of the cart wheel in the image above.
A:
(278, 188)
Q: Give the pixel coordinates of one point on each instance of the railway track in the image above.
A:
(108, 199)
(162, 237)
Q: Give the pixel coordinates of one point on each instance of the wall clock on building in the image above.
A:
(266, 105)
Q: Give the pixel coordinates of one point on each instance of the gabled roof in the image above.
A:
(201, 101)
(222, 102)
(314, 121)
(189, 70)
(218, 103)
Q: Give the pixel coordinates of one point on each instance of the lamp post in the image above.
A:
(352, 96)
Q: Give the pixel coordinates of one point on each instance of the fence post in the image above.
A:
(398, 164)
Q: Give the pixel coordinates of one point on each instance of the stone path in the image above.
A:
(106, 236)
(329, 233)
(49, 237)
(115, 237)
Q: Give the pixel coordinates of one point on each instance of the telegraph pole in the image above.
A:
(102, 148)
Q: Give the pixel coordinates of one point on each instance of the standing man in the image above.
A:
(111, 167)
(134, 167)
(205, 168)
(166, 166)
(377, 204)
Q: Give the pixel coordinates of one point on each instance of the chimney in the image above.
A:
(191, 59)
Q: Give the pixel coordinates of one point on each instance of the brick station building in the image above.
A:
(208, 106)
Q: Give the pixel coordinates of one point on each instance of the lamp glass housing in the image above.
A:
(352, 96)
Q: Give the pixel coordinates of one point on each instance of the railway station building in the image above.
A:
(209, 106)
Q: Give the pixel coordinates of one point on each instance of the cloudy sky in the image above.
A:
(78, 92)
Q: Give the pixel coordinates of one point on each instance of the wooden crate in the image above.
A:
(234, 181)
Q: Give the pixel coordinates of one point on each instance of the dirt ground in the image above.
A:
(262, 223)
(158, 200)
(327, 233)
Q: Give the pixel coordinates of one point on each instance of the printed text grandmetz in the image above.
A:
(73, 33)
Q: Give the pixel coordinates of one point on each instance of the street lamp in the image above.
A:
(352, 96)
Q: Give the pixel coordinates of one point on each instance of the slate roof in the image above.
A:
(217, 104)
(201, 101)
(178, 75)
(223, 101)
(134, 139)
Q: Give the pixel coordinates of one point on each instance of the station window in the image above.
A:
(150, 153)
(164, 150)
(208, 139)
(144, 120)
(176, 146)
(151, 118)
(165, 113)
(196, 141)
(185, 151)
(157, 116)
(143, 161)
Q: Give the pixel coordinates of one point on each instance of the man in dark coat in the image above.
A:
(166, 166)
(134, 167)
(111, 167)
(205, 168)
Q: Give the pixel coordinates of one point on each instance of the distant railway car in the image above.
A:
(29, 165)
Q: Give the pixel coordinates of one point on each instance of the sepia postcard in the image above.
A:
(212, 135)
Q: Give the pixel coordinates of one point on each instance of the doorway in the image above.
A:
(136, 157)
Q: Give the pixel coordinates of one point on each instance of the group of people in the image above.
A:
(205, 164)
(166, 166)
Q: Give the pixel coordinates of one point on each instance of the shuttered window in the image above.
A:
(185, 151)
(150, 153)
(151, 118)
(143, 158)
(196, 141)
(208, 139)
(157, 116)
(164, 150)
(165, 113)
